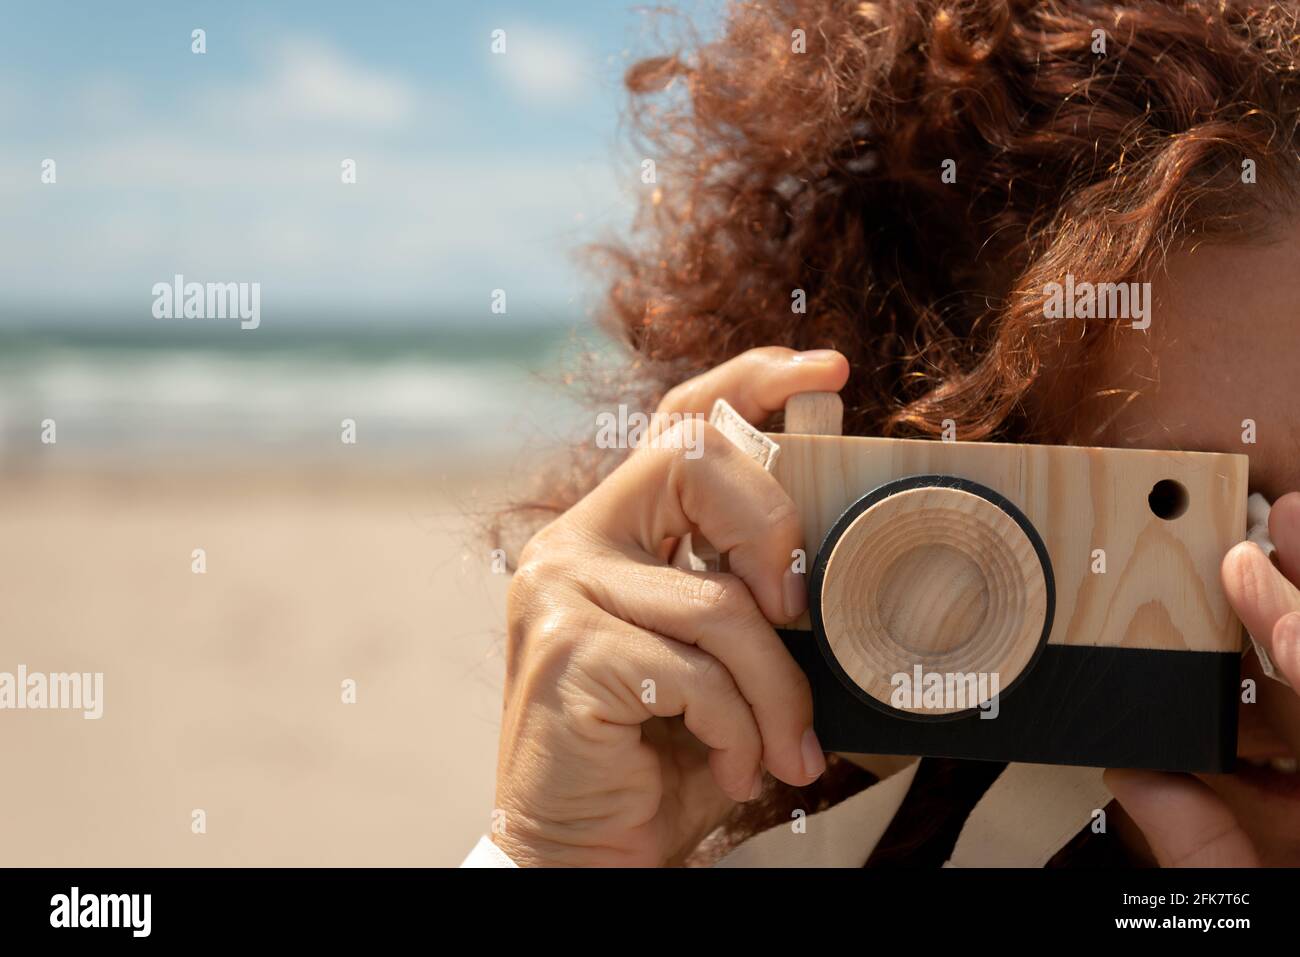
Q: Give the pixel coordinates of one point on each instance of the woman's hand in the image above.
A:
(642, 700)
(1205, 821)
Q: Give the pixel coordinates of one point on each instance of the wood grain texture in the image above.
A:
(1160, 589)
(815, 413)
(936, 577)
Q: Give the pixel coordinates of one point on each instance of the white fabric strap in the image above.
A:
(1029, 813)
(694, 552)
(487, 854)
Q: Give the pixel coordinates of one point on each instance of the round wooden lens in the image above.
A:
(939, 579)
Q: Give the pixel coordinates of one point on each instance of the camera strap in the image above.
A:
(841, 836)
(1029, 813)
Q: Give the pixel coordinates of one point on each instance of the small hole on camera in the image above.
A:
(1168, 499)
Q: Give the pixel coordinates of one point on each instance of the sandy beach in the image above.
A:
(223, 691)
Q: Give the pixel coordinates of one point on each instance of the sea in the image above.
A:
(197, 394)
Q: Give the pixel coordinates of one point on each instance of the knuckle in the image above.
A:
(686, 447)
(542, 543)
(714, 678)
(534, 589)
(765, 355)
(555, 639)
(717, 596)
(527, 581)
(541, 613)
(794, 697)
(544, 568)
(703, 593)
(555, 628)
(783, 517)
(690, 438)
(680, 396)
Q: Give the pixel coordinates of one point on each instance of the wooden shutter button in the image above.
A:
(948, 576)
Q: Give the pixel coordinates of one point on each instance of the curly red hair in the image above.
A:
(821, 170)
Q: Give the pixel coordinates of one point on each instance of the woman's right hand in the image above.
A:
(642, 700)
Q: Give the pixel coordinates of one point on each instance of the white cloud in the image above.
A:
(311, 80)
(107, 100)
(544, 65)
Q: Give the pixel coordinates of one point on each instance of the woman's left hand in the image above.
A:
(1186, 820)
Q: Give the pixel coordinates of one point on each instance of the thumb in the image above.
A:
(1184, 821)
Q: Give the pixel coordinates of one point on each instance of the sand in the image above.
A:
(223, 690)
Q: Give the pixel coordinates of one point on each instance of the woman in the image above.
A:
(872, 198)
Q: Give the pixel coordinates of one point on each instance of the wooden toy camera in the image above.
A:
(1055, 605)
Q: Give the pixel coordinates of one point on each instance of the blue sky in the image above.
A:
(475, 171)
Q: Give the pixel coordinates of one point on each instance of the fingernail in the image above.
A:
(757, 789)
(815, 355)
(795, 593)
(814, 762)
(1286, 631)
